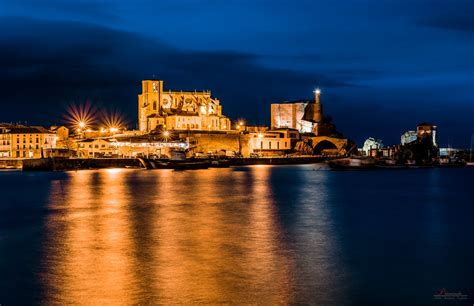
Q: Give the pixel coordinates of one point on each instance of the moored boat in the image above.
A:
(219, 163)
(452, 162)
(352, 163)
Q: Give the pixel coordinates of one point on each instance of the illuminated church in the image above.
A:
(178, 110)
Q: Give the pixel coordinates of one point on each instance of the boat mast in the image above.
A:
(470, 151)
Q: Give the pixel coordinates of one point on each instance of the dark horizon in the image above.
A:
(382, 67)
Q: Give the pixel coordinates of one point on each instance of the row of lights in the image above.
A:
(82, 128)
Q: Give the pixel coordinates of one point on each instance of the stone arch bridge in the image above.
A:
(322, 145)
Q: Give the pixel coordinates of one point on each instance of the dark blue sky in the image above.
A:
(383, 66)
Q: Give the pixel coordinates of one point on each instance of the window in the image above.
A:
(278, 145)
(261, 145)
(154, 105)
(269, 144)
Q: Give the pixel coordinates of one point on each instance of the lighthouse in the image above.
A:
(318, 109)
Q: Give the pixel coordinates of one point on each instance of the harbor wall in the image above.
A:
(9, 163)
(48, 164)
(214, 142)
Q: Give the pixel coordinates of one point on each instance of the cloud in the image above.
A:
(82, 9)
(47, 64)
(461, 22)
(455, 15)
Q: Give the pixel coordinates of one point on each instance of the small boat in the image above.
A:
(189, 165)
(451, 162)
(352, 163)
(219, 163)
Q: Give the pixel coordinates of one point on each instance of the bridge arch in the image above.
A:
(329, 145)
(324, 145)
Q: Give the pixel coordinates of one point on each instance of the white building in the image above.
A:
(371, 143)
(273, 142)
(408, 137)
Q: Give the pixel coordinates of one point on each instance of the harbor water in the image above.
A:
(255, 234)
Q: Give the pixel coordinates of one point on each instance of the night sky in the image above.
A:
(383, 66)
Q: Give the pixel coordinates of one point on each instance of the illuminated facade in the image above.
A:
(273, 142)
(427, 130)
(26, 142)
(304, 116)
(95, 148)
(408, 137)
(370, 144)
(178, 110)
(290, 115)
(5, 140)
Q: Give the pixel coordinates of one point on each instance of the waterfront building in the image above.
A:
(370, 144)
(132, 147)
(272, 142)
(91, 148)
(424, 130)
(408, 137)
(61, 132)
(178, 110)
(302, 115)
(5, 139)
(25, 141)
(449, 151)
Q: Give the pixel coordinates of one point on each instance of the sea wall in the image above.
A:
(48, 164)
(9, 163)
(215, 142)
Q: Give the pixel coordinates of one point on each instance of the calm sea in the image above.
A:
(259, 234)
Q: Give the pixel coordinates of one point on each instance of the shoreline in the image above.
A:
(49, 164)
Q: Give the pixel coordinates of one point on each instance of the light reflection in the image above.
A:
(316, 251)
(203, 236)
(87, 260)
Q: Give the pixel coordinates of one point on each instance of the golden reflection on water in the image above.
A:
(87, 251)
(205, 236)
